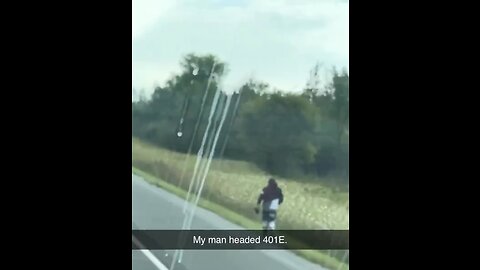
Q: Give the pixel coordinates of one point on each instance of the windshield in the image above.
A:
(240, 121)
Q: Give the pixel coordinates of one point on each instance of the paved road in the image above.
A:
(154, 208)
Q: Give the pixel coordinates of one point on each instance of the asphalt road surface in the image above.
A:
(154, 208)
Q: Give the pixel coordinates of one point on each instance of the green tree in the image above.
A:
(286, 134)
(277, 133)
(178, 108)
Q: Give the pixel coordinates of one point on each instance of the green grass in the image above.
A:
(311, 255)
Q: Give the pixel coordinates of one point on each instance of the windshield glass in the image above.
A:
(240, 121)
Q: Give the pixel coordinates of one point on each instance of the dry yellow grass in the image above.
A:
(236, 185)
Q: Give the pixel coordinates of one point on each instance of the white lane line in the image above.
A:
(149, 254)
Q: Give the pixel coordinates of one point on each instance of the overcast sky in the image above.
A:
(276, 41)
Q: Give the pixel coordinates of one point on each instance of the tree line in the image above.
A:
(286, 134)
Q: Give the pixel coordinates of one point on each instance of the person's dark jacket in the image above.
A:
(270, 193)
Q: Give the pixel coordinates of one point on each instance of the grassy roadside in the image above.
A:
(235, 185)
(311, 255)
(216, 208)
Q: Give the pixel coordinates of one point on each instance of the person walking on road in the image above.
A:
(271, 198)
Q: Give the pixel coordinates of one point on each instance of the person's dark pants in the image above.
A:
(268, 219)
